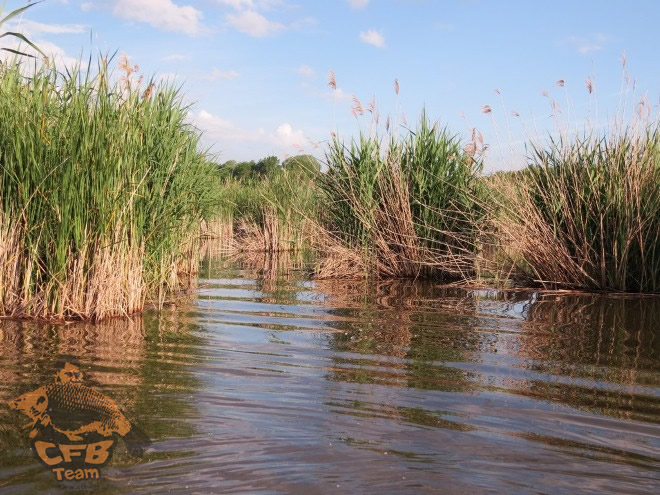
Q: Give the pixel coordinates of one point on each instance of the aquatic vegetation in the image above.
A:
(273, 213)
(586, 212)
(582, 214)
(410, 206)
(102, 191)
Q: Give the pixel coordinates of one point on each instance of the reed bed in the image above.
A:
(273, 214)
(408, 207)
(585, 213)
(103, 188)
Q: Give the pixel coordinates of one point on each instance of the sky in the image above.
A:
(256, 71)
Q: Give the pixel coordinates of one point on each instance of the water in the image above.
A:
(267, 383)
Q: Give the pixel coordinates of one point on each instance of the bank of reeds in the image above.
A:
(102, 192)
(272, 214)
(402, 207)
(585, 213)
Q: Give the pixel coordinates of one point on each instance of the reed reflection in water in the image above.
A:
(267, 381)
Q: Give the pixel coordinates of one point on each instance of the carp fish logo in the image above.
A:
(74, 429)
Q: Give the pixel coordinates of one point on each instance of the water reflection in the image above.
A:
(269, 382)
(601, 350)
(141, 363)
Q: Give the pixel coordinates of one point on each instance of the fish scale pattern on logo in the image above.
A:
(75, 428)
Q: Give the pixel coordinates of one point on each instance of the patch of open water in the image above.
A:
(278, 384)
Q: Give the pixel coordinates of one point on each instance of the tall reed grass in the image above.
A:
(410, 206)
(102, 191)
(271, 214)
(582, 213)
(585, 213)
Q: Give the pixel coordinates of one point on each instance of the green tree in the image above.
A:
(303, 164)
(267, 167)
(226, 170)
(243, 170)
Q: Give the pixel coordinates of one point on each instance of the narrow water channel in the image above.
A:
(268, 382)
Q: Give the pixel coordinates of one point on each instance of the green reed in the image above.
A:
(413, 206)
(95, 171)
(586, 213)
(445, 186)
(277, 209)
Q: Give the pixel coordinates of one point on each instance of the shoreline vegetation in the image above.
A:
(582, 215)
(103, 189)
(106, 195)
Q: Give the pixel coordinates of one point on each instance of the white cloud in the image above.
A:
(255, 4)
(231, 139)
(587, 44)
(373, 37)
(254, 24)
(586, 48)
(306, 71)
(445, 27)
(217, 74)
(358, 4)
(223, 131)
(248, 17)
(287, 137)
(304, 23)
(36, 28)
(237, 4)
(337, 95)
(51, 50)
(162, 14)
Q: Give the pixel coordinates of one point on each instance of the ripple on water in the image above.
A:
(267, 384)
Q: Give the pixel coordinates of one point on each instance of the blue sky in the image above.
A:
(257, 70)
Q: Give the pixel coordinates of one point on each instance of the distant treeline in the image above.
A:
(268, 167)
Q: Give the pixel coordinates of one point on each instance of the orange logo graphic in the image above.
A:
(74, 428)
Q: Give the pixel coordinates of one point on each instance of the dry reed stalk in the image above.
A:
(220, 229)
(271, 231)
(336, 260)
(271, 234)
(217, 238)
(248, 236)
(391, 246)
(589, 220)
(395, 236)
(100, 281)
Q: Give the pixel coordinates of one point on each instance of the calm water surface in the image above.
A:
(267, 382)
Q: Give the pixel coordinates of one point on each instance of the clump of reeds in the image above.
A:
(585, 213)
(410, 207)
(102, 191)
(271, 214)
